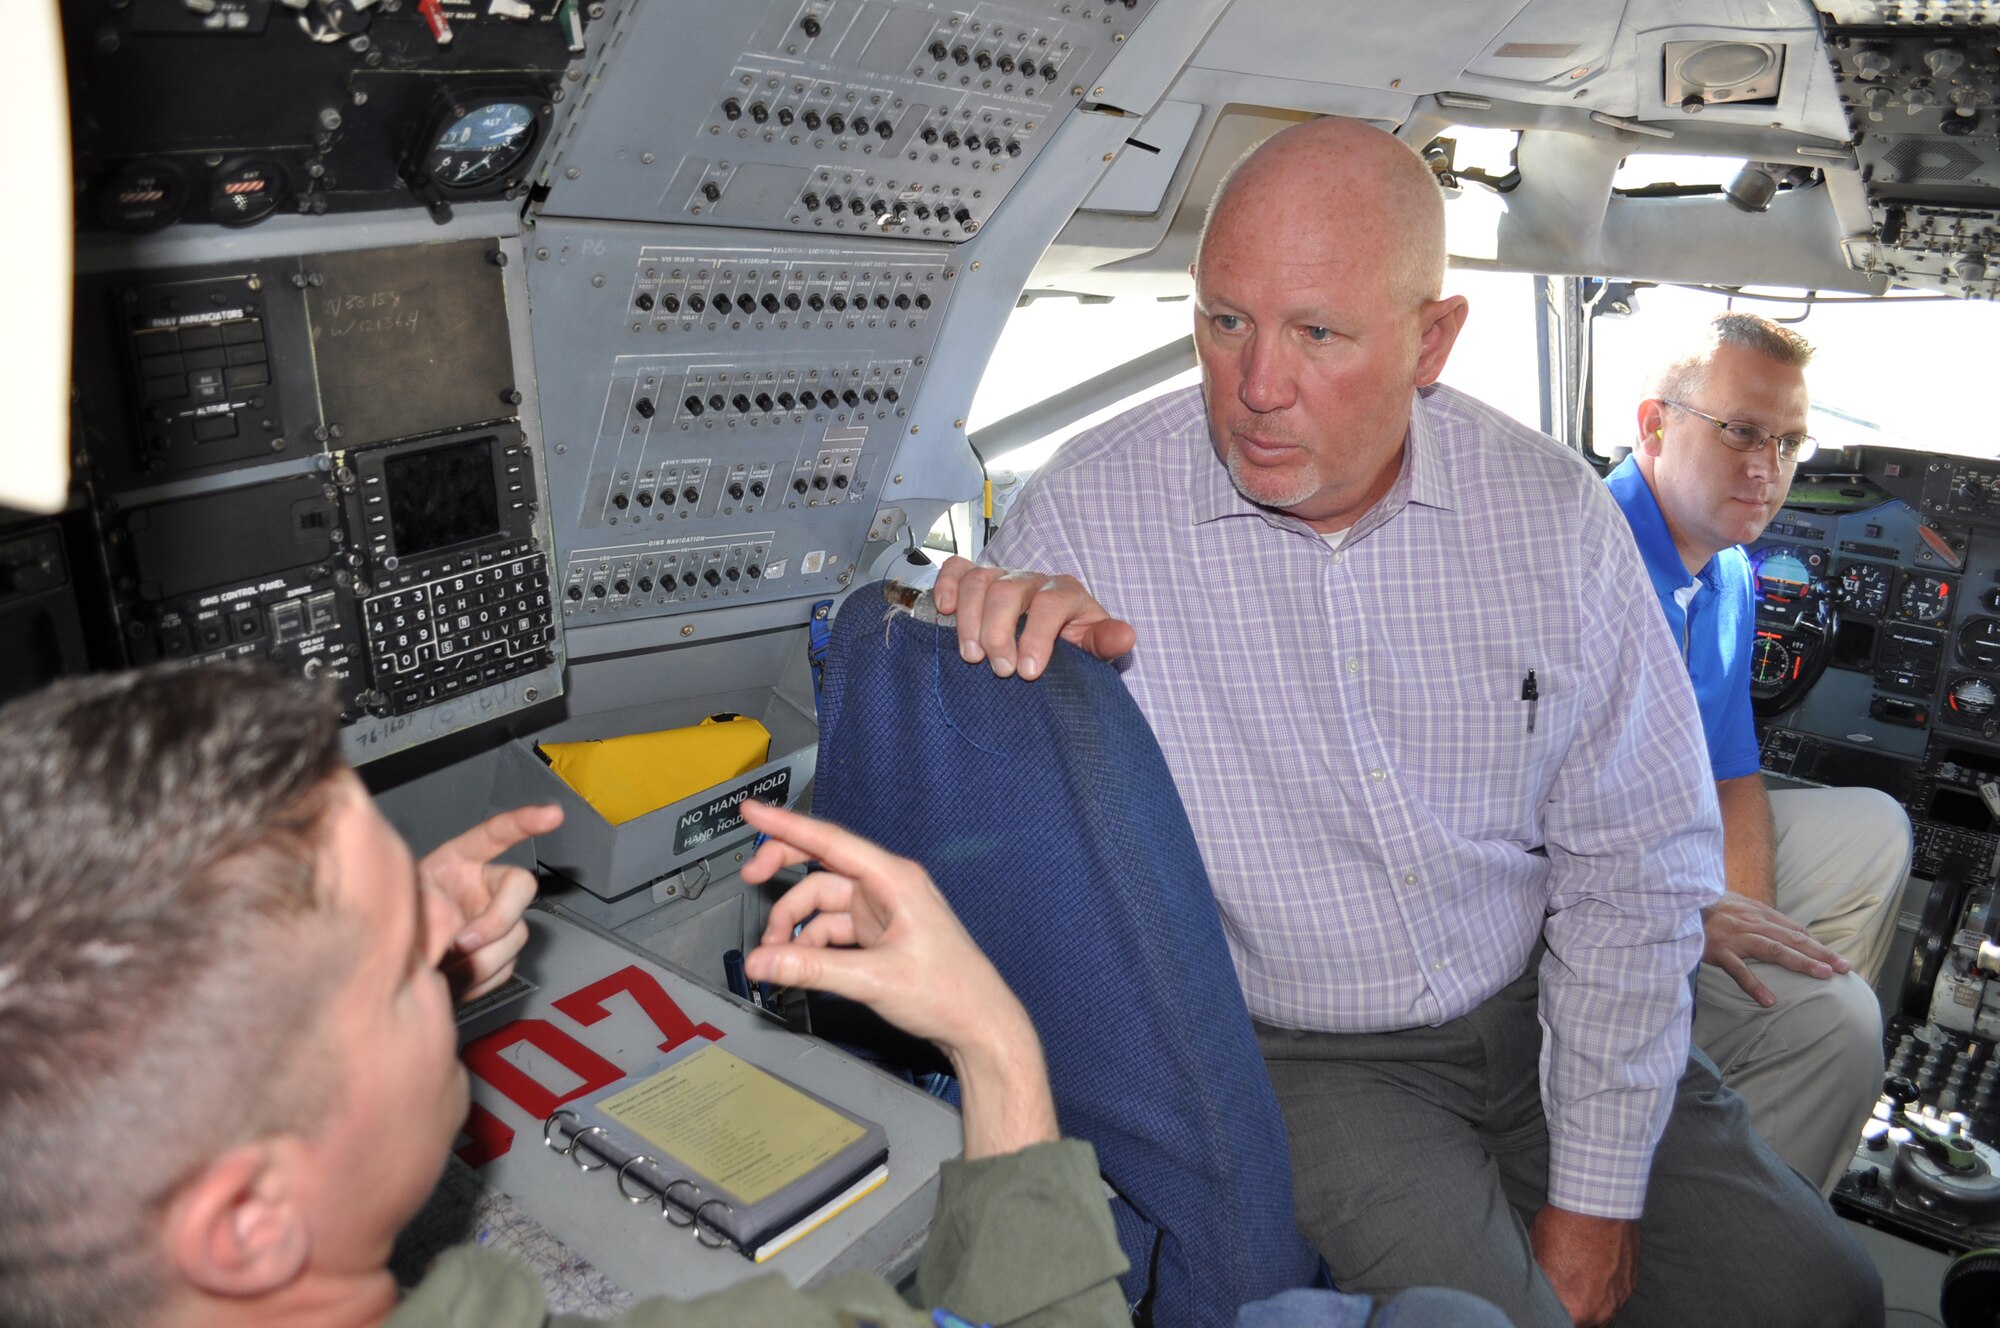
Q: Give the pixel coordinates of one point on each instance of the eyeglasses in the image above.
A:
(1747, 437)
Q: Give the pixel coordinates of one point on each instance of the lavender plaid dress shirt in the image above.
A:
(1387, 835)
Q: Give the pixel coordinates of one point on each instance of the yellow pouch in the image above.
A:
(624, 778)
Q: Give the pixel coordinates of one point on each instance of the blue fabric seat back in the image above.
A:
(1048, 816)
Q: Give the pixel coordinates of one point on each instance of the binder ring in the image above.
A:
(576, 1152)
(638, 1198)
(549, 1132)
(670, 1206)
(702, 1227)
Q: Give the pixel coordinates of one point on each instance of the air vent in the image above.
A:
(1930, 160)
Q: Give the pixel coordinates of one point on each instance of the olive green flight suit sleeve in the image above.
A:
(1024, 1240)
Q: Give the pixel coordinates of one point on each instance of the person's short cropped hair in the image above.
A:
(162, 846)
(1683, 377)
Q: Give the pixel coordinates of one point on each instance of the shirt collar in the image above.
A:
(1424, 479)
(1649, 528)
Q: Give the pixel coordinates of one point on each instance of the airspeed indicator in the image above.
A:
(1864, 588)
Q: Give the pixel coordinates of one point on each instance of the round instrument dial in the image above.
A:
(1972, 698)
(1979, 644)
(1785, 573)
(246, 192)
(1925, 599)
(143, 196)
(478, 145)
(1771, 661)
(1864, 588)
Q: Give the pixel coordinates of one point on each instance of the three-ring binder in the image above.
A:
(676, 1211)
(733, 1154)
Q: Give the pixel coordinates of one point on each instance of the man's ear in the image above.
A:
(1442, 321)
(236, 1229)
(1652, 426)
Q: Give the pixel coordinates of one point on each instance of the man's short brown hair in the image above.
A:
(1682, 379)
(163, 834)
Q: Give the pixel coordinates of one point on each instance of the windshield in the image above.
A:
(1057, 342)
(1896, 372)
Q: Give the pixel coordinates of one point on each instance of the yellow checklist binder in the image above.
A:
(624, 778)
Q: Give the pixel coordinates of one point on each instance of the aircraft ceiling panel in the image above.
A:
(1594, 56)
(720, 408)
(903, 119)
(1551, 45)
(1279, 39)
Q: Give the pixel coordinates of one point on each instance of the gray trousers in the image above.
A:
(1419, 1158)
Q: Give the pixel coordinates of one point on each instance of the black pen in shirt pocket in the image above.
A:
(1532, 694)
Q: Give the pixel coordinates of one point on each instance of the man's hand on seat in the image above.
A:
(1735, 929)
(876, 930)
(1592, 1262)
(490, 896)
(989, 602)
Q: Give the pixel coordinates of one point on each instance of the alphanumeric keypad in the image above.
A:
(484, 618)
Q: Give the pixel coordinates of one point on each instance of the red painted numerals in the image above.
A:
(488, 1137)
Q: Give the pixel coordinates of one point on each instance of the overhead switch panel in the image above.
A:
(1921, 105)
(726, 407)
(842, 118)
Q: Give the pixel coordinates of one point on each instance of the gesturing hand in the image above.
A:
(490, 897)
(911, 960)
(907, 958)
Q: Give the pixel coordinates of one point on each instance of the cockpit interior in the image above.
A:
(534, 372)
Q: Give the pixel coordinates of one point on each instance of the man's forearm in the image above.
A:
(1005, 1089)
(1749, 838)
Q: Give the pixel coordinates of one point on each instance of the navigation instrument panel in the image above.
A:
(1906, 557)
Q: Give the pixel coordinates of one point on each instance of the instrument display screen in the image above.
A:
(442, 496)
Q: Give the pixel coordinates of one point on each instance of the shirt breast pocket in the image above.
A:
(1488, 760)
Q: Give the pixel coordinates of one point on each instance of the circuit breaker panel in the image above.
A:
(729, 404)
(743, 250)
(909, 119)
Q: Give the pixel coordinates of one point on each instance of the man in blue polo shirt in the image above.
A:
(1784, 1001)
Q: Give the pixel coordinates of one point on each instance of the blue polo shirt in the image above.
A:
(1714, 620)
